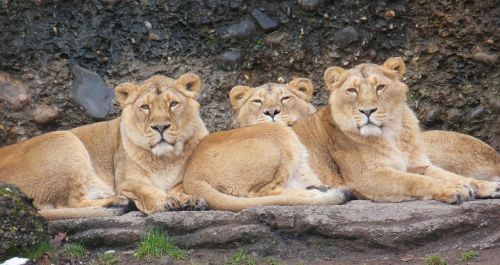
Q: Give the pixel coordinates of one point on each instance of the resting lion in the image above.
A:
(455, 152)
(366, 138)
(138, 156)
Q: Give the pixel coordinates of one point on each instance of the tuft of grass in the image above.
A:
(40, 249)
(76, 251)
(241, 258)
(434, 260)
(157, 244)
(275, 261)
(469, 255)
(106, 259)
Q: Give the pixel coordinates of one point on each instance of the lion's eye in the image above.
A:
(352, 90)
(380, 87)
(285, 98)
(145, 107)
(173, 104)
(258, 101)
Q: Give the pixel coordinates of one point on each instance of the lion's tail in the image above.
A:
(71, 213)
(220, 201)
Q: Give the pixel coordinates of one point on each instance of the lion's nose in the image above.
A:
(161, 127)
(272, 112)
(368, 112)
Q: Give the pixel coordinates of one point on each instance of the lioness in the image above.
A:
(455, 152)
(366, 138)
(139, 156)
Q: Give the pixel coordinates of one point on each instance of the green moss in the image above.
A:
(469, 255)
(157, 244)
(76, 251)
(434, 260)
(241, 258)
(275, 261)
(106, 259)
(40, 249)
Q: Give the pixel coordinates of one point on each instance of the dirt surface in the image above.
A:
(451, 50)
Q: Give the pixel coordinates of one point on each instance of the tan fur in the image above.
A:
(382, 157)
(284, 103)
(253, 166)
(109, 162)
(455, 152)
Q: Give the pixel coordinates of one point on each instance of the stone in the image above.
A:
(14, 92)
(21, 227)
(454, 114)
(309, 5)
(240, 30)
(90, 92)
(153, 37)
(229, 60)
(476, 112)
(358, 225)
(432, 48)
(344, 37)
(43, 114)
(485, 57)
(266, 23)
(275, 38)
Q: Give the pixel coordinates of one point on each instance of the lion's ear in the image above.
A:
(302, 87)
(239, 95)
(189, 85)
(332, 75)
(126, 93)
(395, 64)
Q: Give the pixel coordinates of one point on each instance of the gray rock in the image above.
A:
(14, 92)
(266, 23)
(240, 30)
(276, 38)
(485, 57)
(275, 230)
(344, 37)
(21, 227)
(229, 61)
(43, 114)
(476, 112)
(454, 114)
(309, 5)
(90, 91)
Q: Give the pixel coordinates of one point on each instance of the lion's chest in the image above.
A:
(398, 157)
(167, 177)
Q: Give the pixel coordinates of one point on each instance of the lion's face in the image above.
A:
(159, 113)
(368, 98)
(271, 102)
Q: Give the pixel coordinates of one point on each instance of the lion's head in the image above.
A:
(368, 98)
(272, 102)
(161, 113)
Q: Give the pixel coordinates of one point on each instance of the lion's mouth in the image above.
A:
(163, 141)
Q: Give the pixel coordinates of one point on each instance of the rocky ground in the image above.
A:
(359, 232)
(451, 49)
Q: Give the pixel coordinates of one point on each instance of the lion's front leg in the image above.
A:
(482, 188)
(389, 185)
(179, 200)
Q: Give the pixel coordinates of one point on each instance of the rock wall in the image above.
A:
(451, 49)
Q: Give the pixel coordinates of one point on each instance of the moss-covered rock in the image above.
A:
(21, 227)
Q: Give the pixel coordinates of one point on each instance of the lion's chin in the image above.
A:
(370, 130)
(162, 148)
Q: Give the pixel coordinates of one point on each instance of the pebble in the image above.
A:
(240, 30)
(476, 112)
(390, 13)
(153, 37)
(309, 5)
(13, 92)
(484, 57)
(344, 37)
(432, 48)
(90, 92)
(43, 114)
(229, 60)
(266, 23)
(275, 38)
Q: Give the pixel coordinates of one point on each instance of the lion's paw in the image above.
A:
(185, 202)
(487, 189)
(455, 193)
